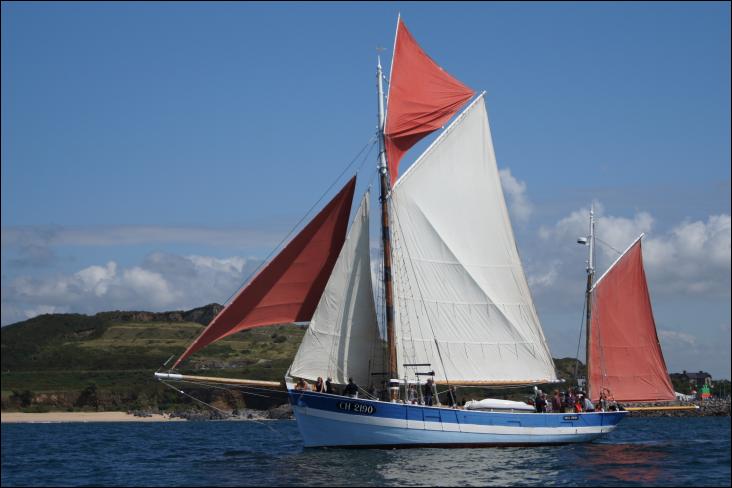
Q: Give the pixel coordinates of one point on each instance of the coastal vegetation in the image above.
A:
(72, 362)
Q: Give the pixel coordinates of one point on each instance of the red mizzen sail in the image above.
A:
(422, 98)
(625, 355)
(289, 287)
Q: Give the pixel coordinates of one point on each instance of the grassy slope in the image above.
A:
(58, 356)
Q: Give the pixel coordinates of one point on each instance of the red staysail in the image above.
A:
(422, 97)
(289, 287)
(625, 355)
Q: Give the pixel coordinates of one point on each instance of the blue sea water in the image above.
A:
(641, 452)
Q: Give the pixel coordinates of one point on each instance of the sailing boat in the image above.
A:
(456, 304)
(624, 357)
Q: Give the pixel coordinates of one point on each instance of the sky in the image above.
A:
(153, 154)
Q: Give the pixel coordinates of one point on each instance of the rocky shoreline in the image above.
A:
(281, 412)
(714, 407)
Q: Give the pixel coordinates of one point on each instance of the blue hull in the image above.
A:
(335, 421)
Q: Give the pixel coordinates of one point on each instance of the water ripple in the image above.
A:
(658, 452)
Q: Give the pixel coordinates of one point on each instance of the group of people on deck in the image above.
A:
(429, 392)
(571, 401)
(350, 390)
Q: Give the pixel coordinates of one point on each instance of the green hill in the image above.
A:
(106, 361)
(53, 358)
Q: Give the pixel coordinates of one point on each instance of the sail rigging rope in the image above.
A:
(370, 144)
(608, 245)
(579, 340)
(419, 290)
(225, 414)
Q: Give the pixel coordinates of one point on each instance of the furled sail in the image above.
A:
(289, 287)
(343, 339)
(422, 98)
(625, 355)
(462, 302)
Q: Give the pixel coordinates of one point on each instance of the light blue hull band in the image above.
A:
(337, 421)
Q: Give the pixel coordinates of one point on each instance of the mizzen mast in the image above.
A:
(392, 370)
(590, 242)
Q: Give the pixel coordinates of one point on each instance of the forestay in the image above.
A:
(343, 339)
(462, 300)
(287, 289)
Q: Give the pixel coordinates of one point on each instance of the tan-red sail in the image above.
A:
(422, 97)
(625, 354)
(289, 287)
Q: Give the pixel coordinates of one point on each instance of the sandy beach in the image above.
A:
(52, 417)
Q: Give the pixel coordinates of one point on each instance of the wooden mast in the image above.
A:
(392, 368)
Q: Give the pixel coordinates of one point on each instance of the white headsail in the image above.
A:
(462, 302)
(343, 339)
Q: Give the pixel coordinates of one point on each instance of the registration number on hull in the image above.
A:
(357, 407)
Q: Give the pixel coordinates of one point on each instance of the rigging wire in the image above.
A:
(370, 145)
(608, 245)
(222, 412)
(579, 339)
(424, 304)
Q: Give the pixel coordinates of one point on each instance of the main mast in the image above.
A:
(392, 370)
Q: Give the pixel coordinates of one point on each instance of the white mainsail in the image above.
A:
(343, 339)
(462, 303)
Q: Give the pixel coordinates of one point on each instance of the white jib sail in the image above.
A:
(343, 339)
(462, 303)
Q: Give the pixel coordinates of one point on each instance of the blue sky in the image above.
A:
(152, 153)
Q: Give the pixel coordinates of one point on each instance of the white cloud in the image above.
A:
(677, 337)
(692, 257)
(518, 203)
(161, 282)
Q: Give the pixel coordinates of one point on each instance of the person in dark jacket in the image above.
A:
(329, 386)
(428, 392)
(351, 389)
(319, 385)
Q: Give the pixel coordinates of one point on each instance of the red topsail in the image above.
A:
(625, 355)
(289, 287)
(422, 97)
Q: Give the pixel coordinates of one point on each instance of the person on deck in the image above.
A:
(428, 392)
(572, 401)
(319, 386)
(540, 402)
(411, 394)
(329, 386)
(578, 401)
(566, 402)
(603, 401)
(587, 405)
(556, 402)
(301, 385)
(351, 389)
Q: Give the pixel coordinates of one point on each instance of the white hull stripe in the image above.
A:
(440, 426)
